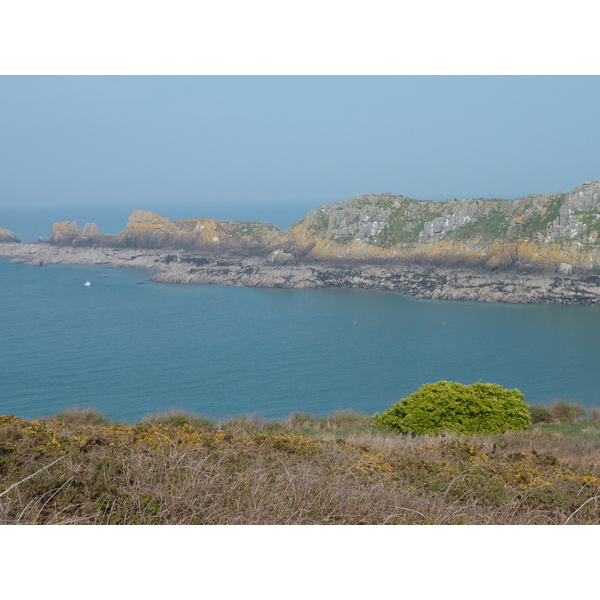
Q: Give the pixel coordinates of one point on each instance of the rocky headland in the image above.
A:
(532, 249)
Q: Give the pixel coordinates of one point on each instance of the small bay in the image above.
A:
(128, 350)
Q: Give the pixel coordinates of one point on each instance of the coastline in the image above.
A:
(417, 280)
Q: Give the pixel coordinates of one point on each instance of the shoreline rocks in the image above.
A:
(418, 280)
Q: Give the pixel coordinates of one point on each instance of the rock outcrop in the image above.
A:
(68, 233)
(7, 236)
(148, 230)
(532, 231)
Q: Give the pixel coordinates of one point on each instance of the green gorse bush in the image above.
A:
(456, 408)
(540, 414)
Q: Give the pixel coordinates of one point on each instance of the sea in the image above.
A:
(129, 347)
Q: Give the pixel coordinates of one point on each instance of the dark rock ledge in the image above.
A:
(418, 280)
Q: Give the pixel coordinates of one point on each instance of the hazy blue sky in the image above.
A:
(188, 144)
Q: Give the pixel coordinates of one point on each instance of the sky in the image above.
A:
(277, 146)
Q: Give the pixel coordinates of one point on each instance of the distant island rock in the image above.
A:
(7, 236)
(539, 248)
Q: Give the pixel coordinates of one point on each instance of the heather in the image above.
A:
(179, 468)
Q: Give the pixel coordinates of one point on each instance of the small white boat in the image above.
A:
(87, 283)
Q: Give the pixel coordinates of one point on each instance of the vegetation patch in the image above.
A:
(561, 412)
(453, 407)
(591, 223)
(537, 222)
(318, 221)
(254, 230)
(489, 227)
(407, 222)
(584, 430)
(179, 468)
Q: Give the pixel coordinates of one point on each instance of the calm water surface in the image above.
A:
(129, 350)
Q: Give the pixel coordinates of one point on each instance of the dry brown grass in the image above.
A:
(166, 470)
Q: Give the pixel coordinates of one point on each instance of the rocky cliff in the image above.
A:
(559, 232)
(559, 229)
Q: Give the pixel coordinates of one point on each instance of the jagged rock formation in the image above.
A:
(68, 234)
(7, 236)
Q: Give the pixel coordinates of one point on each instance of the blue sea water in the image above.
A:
(128, 350)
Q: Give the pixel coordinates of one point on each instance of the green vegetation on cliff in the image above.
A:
(407, 222)
(494, 225)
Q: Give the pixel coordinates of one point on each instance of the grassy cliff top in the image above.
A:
(181, 469)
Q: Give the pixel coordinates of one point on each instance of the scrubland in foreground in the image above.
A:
(176, 468)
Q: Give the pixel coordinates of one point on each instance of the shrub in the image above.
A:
(563, 412)
(82, 416)
(298, 419)
(453, 407)
(540, 414)
(595, 415)
(179, 418)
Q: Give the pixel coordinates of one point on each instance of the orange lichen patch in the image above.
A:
(66, 229)
(144, 220)
(492, 253)
(301, 235)
(66, 226)
(145, 227)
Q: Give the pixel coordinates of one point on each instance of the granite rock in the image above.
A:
(7, 236)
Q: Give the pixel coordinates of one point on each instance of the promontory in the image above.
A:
(539, 248)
